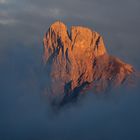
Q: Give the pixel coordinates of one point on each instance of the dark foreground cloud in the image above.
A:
(24, 113)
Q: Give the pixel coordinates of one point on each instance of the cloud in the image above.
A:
(7, 21)
(55, 12)
(3, 1)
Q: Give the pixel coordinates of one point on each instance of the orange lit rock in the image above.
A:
(77, 60)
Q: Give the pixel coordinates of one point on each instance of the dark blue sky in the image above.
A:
(24, 113)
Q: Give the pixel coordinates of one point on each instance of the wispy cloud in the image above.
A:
(6, 18)
(3, 1)
(55, 12)
(8, 21)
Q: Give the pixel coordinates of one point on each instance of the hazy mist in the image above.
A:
(24, 112)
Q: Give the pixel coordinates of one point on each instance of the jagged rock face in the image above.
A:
(78, 60)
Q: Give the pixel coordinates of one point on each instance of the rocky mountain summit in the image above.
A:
(78, 61)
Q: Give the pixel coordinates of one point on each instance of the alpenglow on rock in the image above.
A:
(78, 60)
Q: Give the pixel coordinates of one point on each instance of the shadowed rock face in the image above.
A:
(78, 61)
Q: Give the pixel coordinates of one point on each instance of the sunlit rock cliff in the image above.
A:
(78, 61)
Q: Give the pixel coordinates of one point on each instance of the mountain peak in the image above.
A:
(58, 26)
(79, 60)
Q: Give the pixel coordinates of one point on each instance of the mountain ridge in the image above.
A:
(78, 59)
